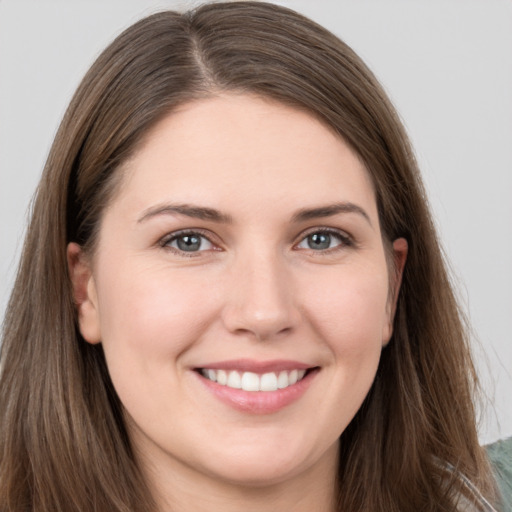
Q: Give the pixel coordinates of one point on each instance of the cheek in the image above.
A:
(349, 310)
(349, 315)
(152, 311)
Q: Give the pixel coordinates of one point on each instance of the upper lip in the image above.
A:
(251, 365)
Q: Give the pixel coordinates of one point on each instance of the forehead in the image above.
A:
(245, 148)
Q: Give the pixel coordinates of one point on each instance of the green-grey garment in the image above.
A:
(500, 454)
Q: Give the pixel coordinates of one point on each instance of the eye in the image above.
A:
(188, 242)
(322, 240)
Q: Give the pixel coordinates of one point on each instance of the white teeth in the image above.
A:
(268, 382)
(234, 380)
(250, 381)
(282, 380)
(222, 377)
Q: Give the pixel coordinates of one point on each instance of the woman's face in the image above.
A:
(240, 291)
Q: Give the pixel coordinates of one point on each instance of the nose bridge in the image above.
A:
(261, 300)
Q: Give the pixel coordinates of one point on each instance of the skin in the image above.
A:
(255, 290)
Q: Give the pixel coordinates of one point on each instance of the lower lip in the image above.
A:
(259, 402)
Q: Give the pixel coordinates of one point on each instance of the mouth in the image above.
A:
(252, 381)
(253, 387)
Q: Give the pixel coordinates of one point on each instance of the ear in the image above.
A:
(84, 293)
(400, 248)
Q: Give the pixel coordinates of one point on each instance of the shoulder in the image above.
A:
(465, 495)
(500, 455)
(470, 498)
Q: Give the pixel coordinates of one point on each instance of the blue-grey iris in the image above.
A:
(319, 241)
(188, 243)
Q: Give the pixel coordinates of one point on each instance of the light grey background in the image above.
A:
(447, 65)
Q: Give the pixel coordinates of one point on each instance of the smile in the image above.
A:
(257, 387)
(250, 381)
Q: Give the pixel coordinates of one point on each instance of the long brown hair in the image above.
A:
(63, 443)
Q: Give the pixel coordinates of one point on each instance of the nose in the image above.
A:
(261, 301)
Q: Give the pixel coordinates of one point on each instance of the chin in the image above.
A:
(258, 474)
(260, 465)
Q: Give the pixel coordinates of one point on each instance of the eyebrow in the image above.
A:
(329, 211)
(196, 212)
(211, 214)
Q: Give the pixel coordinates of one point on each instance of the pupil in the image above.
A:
(319, 241)
(189, 243)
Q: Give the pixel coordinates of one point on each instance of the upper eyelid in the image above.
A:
(324, 229)
(187, 231)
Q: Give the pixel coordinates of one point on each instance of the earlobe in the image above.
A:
(400, 248)
(84, 293)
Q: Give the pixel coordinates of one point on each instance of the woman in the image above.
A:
(231, 293)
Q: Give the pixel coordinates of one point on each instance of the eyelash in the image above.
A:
(344, 239)
(171, 237)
